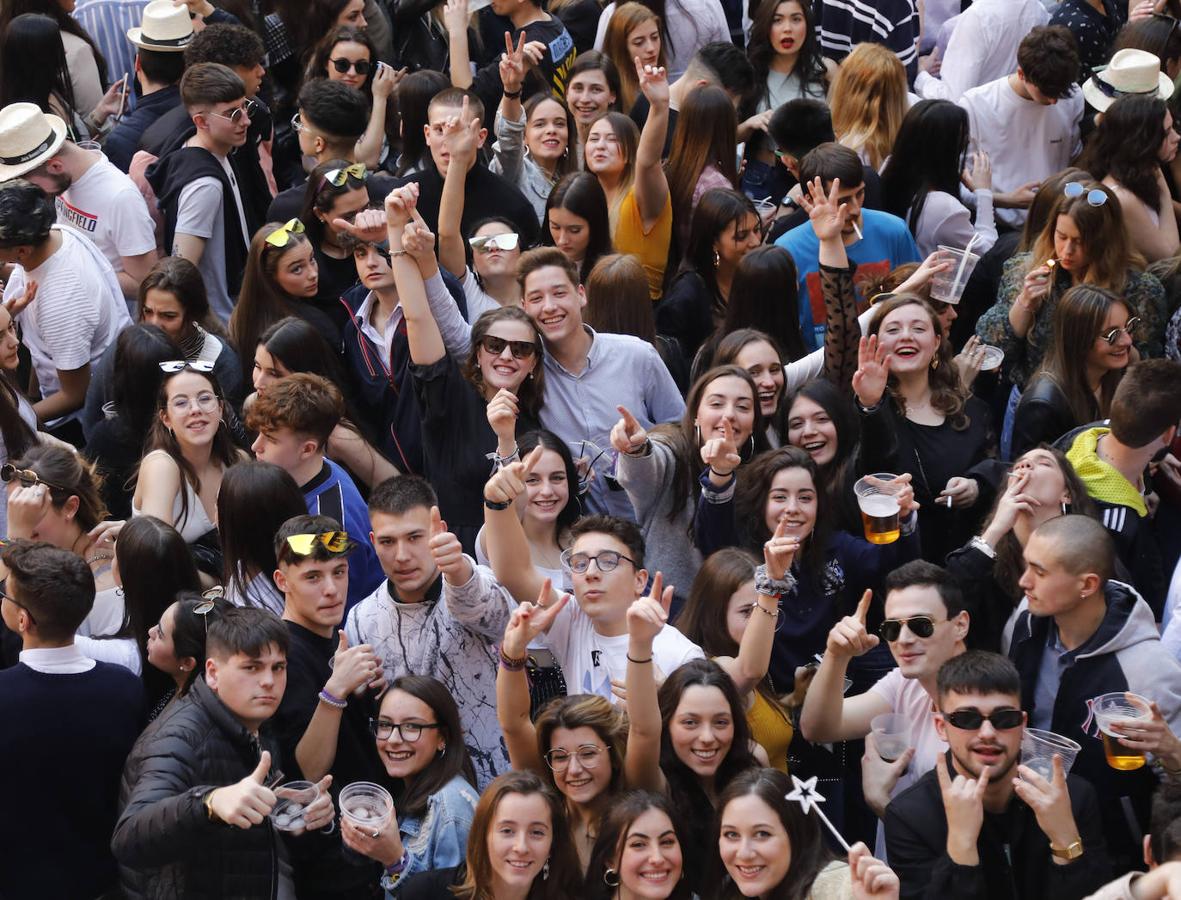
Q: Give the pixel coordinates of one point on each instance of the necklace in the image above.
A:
(93, 559)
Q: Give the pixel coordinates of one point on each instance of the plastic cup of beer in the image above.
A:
(291, 802)
(1112, 709)
(877, 498)
(1038, 748)
(891, 735)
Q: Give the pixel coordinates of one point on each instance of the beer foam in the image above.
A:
(879, 505)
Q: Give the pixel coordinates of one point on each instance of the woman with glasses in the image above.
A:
(282, 279)
(1089, 353)
(738, 635)
(1042, 485)
(348, 55)
(491, 280)
(1128, 151)
(187, 451)
(722, 425)
(533, 138)
(725, 227)
(1084, 242)
(577, 741)
(500, 381)
(420, 742)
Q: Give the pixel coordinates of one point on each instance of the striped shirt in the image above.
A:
(844, 24)
(107, 21)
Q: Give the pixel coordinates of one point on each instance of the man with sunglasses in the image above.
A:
(1079, 634)
(197, 189)
(62, 803)
(982, 826)
(925, 626)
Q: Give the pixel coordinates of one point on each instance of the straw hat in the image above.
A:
(1131, 73)
(165, 28)
(28, 137)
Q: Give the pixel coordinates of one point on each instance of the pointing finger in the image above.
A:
(863, 607)
(533, 459)
(629, 420)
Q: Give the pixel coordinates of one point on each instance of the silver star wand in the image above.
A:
(805, 794)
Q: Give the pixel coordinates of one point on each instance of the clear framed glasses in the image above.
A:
(235, 116)
(408, 732)
(606, 560)
(206, 401)
(589, 756)
(1095, 196)
(1114, 335)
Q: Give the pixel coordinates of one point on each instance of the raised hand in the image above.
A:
(721, 453)
(417, 239)
(462, 136)
(352, 668)
(849, 637)
(512, 63)
(249, 801)
(828, 216)
(456, 16)
(17, 302)
(628, 435)
(385, 80)
(530, 620)
(368, 225)
(448, 551)
(920, 282)
(871, 878)
(399, 206)
(648, 615)
(873, 371)
(503, 410)
(1050, 802)
(963, 803)
(508, 483)
(653, 83)
(780, 550)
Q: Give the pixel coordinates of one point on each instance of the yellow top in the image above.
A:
(770, 726)
(652, 248)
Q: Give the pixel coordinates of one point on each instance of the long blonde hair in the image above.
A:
(869, 101)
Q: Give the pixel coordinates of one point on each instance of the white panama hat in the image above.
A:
(28, 137)
(1131, 73)
(165, 28)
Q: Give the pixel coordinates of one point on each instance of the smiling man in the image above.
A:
(979, 825)
(437, 614)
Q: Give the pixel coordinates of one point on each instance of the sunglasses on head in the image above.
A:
(1112, 336)
(338, 177)
(332, 541)
(281, 236)
(1095, 196)
(177, 365)
(27, 477)
(342, 65)
(972, 719)
(519, 349)
(504, 242)
(920, 627)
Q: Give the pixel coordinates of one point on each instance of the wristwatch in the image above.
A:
(1073, 850)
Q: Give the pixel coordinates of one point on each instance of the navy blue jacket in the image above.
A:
(123, 141)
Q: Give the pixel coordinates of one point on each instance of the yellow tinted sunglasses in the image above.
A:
(281, 236)
(333, 542)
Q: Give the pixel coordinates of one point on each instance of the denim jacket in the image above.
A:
(437, 840)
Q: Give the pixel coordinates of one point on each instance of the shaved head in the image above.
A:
(1080, 545)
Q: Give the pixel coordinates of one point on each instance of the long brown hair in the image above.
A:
(628, 136)
(1045, 201)
(709, 126)
(617, 298)
(72, 475)
(626, 18)
(750, 504)
(1078, 322)
(684, 438)
(261, 302)
(591, 711)
(568, 163)
(868, 100)
(565, 872)
(531, 393)
(948, 394)
(1104, 238)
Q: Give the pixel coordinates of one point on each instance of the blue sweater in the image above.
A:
(63, 742)
(333, 494)
(886, 244)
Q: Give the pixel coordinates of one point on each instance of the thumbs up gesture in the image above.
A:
(628, 435)
(448, 551)
(249, 801)
(848, 638)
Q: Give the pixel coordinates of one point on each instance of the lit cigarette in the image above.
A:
(948, 499)
(860, 236)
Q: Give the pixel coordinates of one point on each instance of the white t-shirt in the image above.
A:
(106, 616)
(106, 206)
(198, 212)
(1025, 140)
(591, 661)
(78, 313)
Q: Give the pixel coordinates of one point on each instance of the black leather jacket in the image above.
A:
(164, 841)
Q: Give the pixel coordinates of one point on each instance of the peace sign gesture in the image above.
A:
(529, 620)
(827, 214)
(873, 371)
(512, 63)
(720, 453)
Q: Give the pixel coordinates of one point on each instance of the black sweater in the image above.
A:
(62, 746)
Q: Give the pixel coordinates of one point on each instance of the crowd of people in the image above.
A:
(655, 449)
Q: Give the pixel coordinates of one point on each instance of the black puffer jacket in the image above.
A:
(164, 841)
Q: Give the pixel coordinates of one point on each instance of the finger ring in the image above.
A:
(375, 834)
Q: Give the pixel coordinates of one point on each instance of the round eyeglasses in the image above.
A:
(589, 756)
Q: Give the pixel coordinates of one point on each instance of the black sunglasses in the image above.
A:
(920, 627)
(519, 349)
(972, 719)
(342, 65)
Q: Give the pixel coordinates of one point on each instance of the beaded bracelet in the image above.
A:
(773, 613)
(509, 664)
(326, 697)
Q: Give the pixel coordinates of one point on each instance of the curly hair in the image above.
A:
(1126, 144)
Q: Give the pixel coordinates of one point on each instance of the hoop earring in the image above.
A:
(752, 444)
(607, 878)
